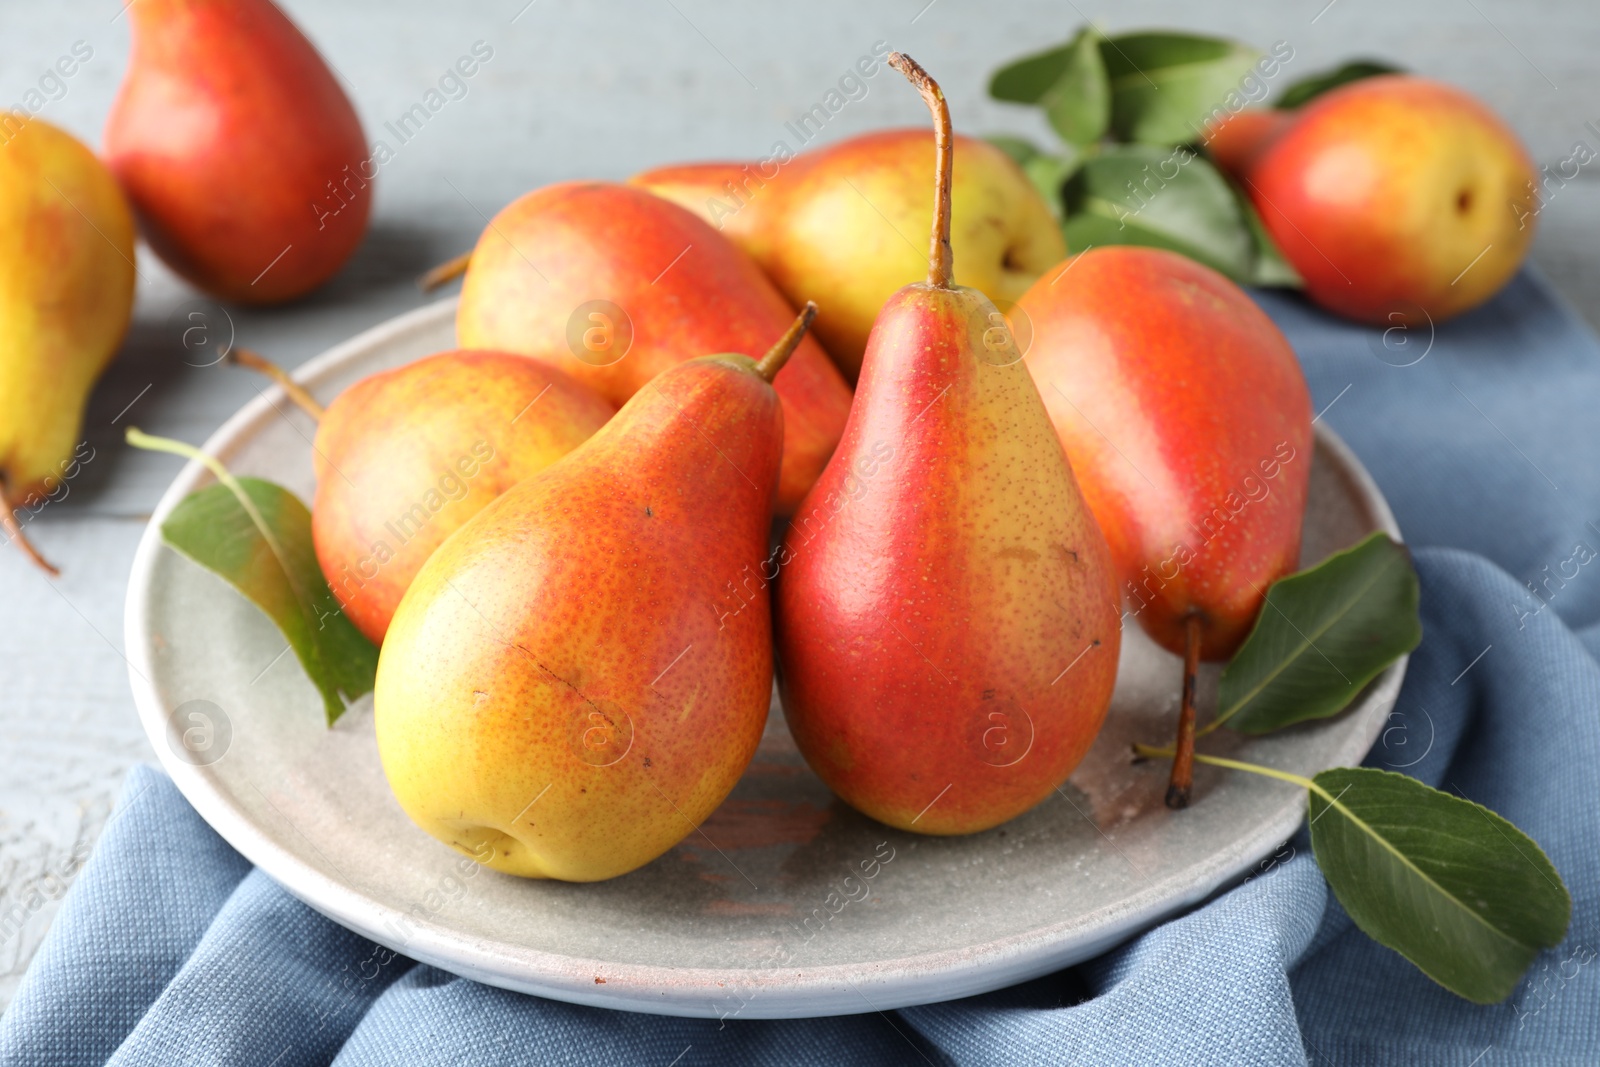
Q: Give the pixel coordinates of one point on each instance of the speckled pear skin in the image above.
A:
(405, 457)
(563, 692)
(685, 288)
(947, 621)
(1188, 422)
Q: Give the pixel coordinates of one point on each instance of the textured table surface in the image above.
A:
(598, 91)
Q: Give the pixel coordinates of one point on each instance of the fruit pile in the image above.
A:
(552, 554)
(942, 572)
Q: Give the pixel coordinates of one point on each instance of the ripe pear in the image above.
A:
(405, 457)
(66, 294)
(557, 690)
(614, 285)
(835, 224)
(946, 614)
(241, 153)
(1187, 419)
(1401, 201)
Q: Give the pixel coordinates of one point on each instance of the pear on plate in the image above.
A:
(66, 294)
(613, 285)
(406, 456)
(842, 225)
(559, 695)
(1187, 419)
(946, 611)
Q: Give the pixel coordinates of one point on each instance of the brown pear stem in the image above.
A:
(444, 272)
(297, 392)
(1182, 779)
(779, 354)
(941, 273)
(13, 529)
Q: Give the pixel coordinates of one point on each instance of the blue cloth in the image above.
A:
(170, 949)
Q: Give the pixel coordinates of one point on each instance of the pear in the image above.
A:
(241, 153)
(1401, 201)
(405, 457)
(614, 285)
(1200, 489)
(831, 225)
(947, 621)
(558, 695)
(66, 294)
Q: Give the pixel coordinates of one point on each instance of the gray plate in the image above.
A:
(781, 865)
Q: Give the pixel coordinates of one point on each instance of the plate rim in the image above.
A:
(803, 992)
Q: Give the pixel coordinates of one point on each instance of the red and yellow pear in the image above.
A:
(614, 285)
(1187, 420)
(836, 224)
(405, 457)
(556, 697)
(242, 155)
(1400, 200)
(946, 609)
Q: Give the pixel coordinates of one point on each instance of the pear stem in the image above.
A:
(1144, 752)
(941, 272)
(13, 531)
(296, 392)
(779, 354)
(1182, 780)
(444, 272)
(151, 443)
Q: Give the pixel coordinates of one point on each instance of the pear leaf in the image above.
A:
(1316, 84)
(1321, 636)
(1049, 175)
(271, 561)
(1078, 104)
(1447, 883)
(1027, 80)
(1168, 198)
(1048, 172)
(1020, 149)
(1165, 87)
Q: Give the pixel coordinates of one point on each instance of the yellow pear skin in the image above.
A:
(66, 294)
(565, 691)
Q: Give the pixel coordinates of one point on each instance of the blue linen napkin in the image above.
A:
(1485, 435)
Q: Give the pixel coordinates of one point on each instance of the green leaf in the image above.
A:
(1322, 635)
(1166, 86)
(1317, 84)
(1267, 266)
(1050, 173)
(1162, 198)
(1026, 80)
(1020, 149)
(1448, 884)
(1078, 103)
(269, 558)
(1047, 172)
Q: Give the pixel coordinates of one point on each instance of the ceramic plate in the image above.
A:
(868, 918)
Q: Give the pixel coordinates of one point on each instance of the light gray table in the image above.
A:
(598, 91)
